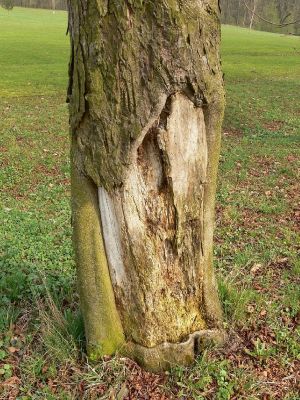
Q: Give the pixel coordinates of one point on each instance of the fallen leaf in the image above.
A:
(45, 369)
(283, 260)
(250, 309)
(12, 349)
(255, 268)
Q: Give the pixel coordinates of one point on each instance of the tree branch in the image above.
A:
(270, 22)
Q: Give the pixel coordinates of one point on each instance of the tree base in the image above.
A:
(145, 120)
(166, 355)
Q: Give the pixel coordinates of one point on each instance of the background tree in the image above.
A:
(146, 107)
(253, 8)
(50, 4)
(270, 14)
(7, 4)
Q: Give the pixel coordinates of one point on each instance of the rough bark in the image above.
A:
(146, 106)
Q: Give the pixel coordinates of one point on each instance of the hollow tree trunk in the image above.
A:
(146, 106)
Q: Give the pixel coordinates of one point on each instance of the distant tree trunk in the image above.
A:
(146, 107)
(253, 13)
(238, 13)
(245, 17)
(53, 4)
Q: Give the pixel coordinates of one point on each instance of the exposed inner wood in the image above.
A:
(153, 228)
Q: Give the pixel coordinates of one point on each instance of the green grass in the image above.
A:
(262, 76)
(41, 331)
(34, 52)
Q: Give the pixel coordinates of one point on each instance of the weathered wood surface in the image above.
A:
(146, 106)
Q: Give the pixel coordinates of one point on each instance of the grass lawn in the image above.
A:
(257, 236)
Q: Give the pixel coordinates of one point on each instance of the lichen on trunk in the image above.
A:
(146, 106)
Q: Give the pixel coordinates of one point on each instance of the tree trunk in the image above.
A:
(238, 13)
(146, 107)
(253, 13)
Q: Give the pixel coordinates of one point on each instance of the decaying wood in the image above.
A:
(146, 105)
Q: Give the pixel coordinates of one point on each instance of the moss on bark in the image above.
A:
(104, 331)
(128, 59)
(125, 56)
